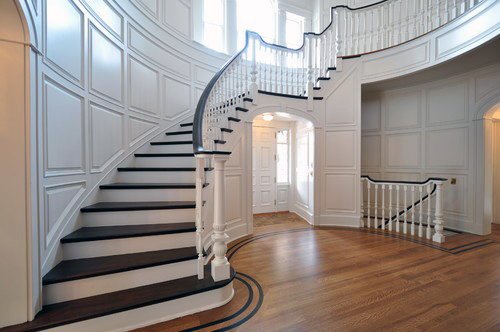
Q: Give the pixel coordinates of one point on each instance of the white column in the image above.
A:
(220, 264)
(438, 214)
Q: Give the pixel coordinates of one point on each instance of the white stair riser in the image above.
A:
(156, 177)
(131, 245)
(145, 195)
(152, 314)
(172, 138)
(76, 289)
(142, 217)
(184, 148)
(164, 162)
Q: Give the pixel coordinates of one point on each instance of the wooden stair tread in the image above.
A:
(106, 304)
(172, 143)
(124, 185)
(181, 132)
(187, 124)
(160, 169)
(153, 155)
(97, 266)
(85, 234)
(137, 206)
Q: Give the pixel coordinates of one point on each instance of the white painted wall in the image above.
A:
(429, 130)
(15, 213)
(303, 172)
(105, 77)
(496, 170)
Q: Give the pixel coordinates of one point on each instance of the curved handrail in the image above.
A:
(427, 181)
(350, 32)
(200, 107)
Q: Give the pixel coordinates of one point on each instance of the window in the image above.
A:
(213, 24)
(294, 30)
(258, 16)
(283, 148)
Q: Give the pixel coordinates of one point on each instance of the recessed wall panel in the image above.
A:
(63, 130)
(403, 110)
(447, 104)
(403, 150)
(106, 133)
(340, 149)
(177, 14)
(177, 96)
(106, 67)
(340, 192)
(447, 148)
(144, 84)
(64, 26)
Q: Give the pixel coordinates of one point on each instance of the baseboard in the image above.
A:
(304, 214)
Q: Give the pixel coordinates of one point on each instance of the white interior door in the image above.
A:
(264, 170)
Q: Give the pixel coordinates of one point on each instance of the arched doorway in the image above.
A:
(283, 167)
(19, 280)
(488, 162)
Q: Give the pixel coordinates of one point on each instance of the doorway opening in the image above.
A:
(283, 164)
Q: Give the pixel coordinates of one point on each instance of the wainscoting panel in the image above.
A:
(403, 110)
(340, 149)
(144, 91)
(106, 67)
(371, 150)
(177, 14)
(177, 97)
(403, 150)
(64, 26)
(340, 192)
(64, 130)
(107, 129)
(447, 104)
(447, 148)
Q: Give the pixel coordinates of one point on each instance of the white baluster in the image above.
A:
(420, 231)
(428, 230)
(220, 264)
(412, 210)
(253, 86)
(200, 171)
(375, 219)
(362, 212)
(383, 206)
(438, 214)
(390, 207)
(397, 208)
(368, 203)
(405, 218)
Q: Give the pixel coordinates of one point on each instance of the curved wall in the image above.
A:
(110, 75)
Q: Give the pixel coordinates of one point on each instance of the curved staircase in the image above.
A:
(142, 253)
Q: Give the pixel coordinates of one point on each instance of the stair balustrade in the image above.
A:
(261, 66)
(384, 205)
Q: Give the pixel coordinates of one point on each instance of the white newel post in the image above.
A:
(220, 264)
(200, 174)
(438, 221)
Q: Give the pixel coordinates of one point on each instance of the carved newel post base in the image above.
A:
(220, 264)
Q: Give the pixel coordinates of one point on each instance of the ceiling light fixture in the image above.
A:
(267, 117)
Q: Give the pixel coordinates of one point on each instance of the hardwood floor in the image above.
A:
(334, 279)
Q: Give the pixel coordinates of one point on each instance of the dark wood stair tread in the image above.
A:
(233, 119)
(241, 109)
(124, 185)
(75, 269)
(152, 155)
(226, 130)
(187, 124)
(137, 206)
(85, 234)
(172, 143)
(182, 132)
(101, 305)
(160, 169)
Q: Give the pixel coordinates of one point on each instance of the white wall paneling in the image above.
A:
(436, 137)
(144, 88)
(63, 130)
(64, 26)
(118, 81)
(107, 140)
(106, 67)
(177, 14)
